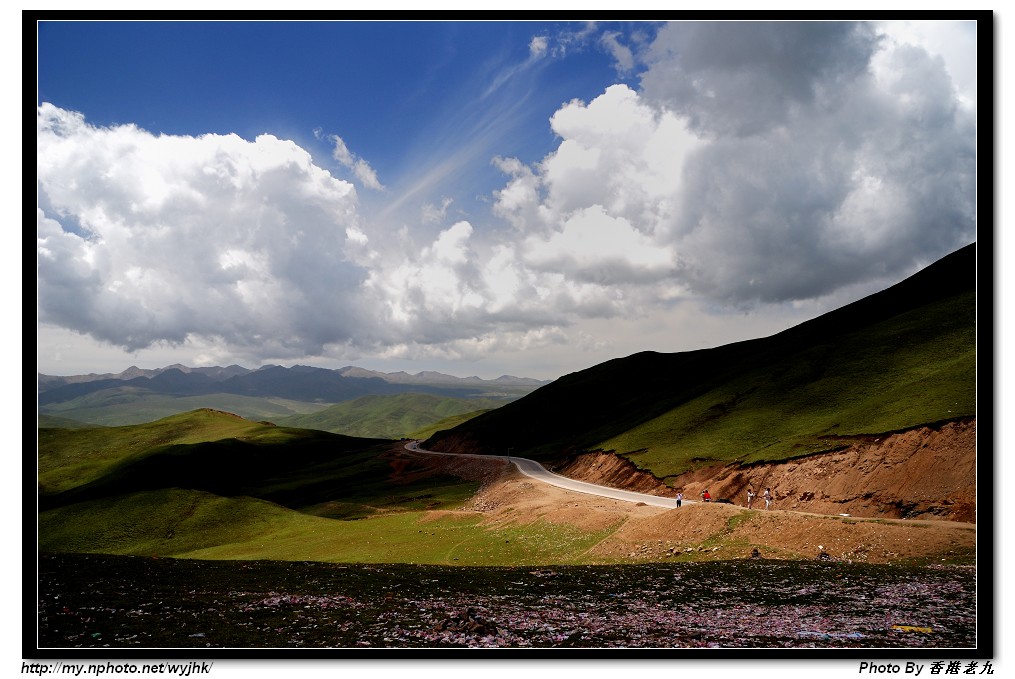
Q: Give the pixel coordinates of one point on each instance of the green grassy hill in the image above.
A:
(211, 485)
(390, 417)
(205, 450)
(71, 458)
(894, 360)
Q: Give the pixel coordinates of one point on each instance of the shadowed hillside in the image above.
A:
(897, 359)
(203, 450)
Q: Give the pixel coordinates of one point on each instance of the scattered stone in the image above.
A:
(468, 622)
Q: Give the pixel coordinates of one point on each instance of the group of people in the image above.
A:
(707, 497)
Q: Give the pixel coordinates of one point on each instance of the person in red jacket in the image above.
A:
(705, 497)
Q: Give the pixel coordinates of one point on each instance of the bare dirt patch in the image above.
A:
(715, 531)
(872, 476)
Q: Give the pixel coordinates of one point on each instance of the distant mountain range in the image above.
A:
(267, 393)
(431, 377)
(300, 382)
(218, 374)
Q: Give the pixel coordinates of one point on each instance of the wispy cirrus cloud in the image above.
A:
(360, 168)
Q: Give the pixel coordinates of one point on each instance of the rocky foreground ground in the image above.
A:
(91, 601)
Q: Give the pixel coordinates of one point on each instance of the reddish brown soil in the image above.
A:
(927, 473)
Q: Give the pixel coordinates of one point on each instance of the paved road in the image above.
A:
(539, 472)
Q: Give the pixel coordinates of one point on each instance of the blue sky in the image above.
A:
(484, 198)
(405, 95)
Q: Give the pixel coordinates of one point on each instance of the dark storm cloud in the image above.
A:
(827, 164)
(742, 78)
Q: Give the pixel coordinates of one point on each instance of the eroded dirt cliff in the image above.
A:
(927, 472)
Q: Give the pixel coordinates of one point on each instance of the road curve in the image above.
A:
(537, 471)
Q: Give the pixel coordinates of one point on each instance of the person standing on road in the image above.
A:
(680, 498)
(705, 496)
(768, 497)
(750, 497)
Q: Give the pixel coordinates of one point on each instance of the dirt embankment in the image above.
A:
(910, 495)
(638, 532)
(642, 533)
(927, 473)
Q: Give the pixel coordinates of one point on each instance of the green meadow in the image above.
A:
(210, 485)
(190, 524)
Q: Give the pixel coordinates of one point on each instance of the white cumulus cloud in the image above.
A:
(148, 238)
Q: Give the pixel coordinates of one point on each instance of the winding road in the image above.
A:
(537, 471)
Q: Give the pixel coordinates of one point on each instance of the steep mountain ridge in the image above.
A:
(923, 329)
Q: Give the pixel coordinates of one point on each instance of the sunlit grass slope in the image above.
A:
(916, 369)
(897, 359)
(390, 417)
(193, 524)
